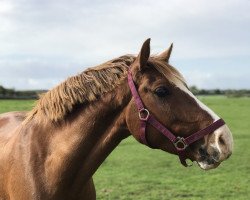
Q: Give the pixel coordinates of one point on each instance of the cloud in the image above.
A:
(48, 40)
(214, 80)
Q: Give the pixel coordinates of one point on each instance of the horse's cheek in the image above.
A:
(132, 120)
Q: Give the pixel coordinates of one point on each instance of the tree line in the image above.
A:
(6, 93)
(227, 92)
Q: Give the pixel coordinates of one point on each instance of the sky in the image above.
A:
(44, 42)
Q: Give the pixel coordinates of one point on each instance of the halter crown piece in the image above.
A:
(180, 143)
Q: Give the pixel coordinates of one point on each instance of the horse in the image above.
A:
(52, 151)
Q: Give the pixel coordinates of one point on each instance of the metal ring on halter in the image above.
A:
(180, 144)
(144, 114)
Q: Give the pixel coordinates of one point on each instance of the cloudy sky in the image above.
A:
(44, 41)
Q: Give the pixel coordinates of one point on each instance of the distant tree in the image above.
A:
(194, 90)
(2, 90)
(218, 91)
(10, 92)
(204, 92)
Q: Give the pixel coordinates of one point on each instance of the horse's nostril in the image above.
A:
(203, 152)
(216, 155)
(221, 140)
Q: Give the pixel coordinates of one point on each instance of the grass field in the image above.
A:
(15, 105)
(134, 171)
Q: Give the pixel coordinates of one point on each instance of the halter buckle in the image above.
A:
(180, 144)
(144, 114)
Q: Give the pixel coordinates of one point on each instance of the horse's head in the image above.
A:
(165, 94)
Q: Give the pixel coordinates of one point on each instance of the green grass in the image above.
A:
(15, 105)
(134, 171)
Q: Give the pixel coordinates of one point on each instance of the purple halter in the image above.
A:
(180, 143)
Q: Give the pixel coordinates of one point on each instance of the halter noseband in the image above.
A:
(180, 143)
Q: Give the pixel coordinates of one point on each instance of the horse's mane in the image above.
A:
(89, 85)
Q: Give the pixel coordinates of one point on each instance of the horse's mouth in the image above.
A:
(208, 163)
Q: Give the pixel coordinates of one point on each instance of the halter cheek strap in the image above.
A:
(180, 143)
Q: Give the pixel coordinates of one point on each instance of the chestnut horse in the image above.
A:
(53, 151)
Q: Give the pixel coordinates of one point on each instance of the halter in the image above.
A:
(180, 143)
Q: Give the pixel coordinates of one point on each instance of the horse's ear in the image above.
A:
(143, 56)
(166, 54)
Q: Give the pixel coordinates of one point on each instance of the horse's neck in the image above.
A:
(77, 147)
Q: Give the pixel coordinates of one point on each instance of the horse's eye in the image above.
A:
(162, 91)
